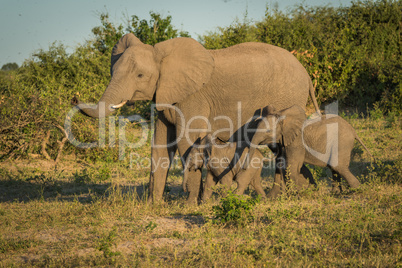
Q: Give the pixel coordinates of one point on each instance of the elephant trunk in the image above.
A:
(111, 99)
(187, 170)
(185, 179)
(249, 157)
(253, 146)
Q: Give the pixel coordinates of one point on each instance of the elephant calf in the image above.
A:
(224, 163)
(325, 141)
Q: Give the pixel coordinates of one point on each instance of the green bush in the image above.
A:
(234, 209)
(352, 54)
(35, 98)
(385, 171)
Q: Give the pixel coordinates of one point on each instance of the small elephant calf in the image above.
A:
(224, 163)
(325, 141)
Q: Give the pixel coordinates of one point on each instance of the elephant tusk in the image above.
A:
(119, 105)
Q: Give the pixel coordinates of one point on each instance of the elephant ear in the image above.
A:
(206, 146)
(126, 41)
(292, 123)
(268, 110)
(185, 67)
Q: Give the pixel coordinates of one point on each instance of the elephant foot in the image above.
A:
(191, 202)
(206, 196)
(263, 197)
(302, 184)
(275, 192)
(336, 188)
(354, 185)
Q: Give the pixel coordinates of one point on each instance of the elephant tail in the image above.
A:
(365, 147)
(313, 98)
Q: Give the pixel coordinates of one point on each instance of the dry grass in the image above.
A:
(76, 216)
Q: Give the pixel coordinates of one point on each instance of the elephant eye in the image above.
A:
(268, 130)
(140, 75)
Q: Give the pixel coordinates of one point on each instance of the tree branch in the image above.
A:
(44, 143)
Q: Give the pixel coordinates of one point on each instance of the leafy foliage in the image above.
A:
(36, 97)
(106, 243)
(235, 209)
(158, 29)
(9, 67)
(238, 32)
(353, 54)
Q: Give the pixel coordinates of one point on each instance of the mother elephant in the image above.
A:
(198, 91)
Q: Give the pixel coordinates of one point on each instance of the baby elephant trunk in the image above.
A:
(185, 179)
(187, 175)
(249, 157)
(257, 139)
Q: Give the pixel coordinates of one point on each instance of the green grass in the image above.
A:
(96, 214)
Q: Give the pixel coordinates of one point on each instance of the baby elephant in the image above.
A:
(324, 141)
(224, 164)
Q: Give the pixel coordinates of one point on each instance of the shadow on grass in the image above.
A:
(15, 188)
(25, 191)
(32, 188)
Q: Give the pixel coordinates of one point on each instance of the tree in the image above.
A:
(9, 67)
(106, 35)
(36, 97)
(158, 29)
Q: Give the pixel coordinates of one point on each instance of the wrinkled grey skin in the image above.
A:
(185, 80)
(224, 165)
(307, 141)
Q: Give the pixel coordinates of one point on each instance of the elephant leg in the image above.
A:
(194, 183)
(295, 158)
(194, 187)
(347, 175)
(210, 182)
(256, 183)
(279, 181)
(242, 183)
(227, 181)
(295, 175)
(305, 172)
(162, 153)
(244, 178)
(190, 129)
(279, 186)
(336, 182)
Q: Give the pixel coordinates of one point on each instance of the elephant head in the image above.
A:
(199, 153)
(277, 127)
(197, 157)
(167, 73)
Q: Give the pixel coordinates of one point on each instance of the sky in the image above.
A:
(29, 25)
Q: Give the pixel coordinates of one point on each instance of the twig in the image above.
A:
(44, 143)
(61, 143)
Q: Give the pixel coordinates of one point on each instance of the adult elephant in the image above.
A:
(200, 90)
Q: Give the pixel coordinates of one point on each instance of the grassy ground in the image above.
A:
(82, 214)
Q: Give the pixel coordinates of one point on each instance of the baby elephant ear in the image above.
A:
(268, 110)
(186, 66)
(293, 121)
(206, 145)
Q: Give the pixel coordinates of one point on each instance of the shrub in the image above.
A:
(35, 99)
(235, 209)
(351, 53)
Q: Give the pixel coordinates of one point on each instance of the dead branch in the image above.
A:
(61, 143)
(44, 143)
